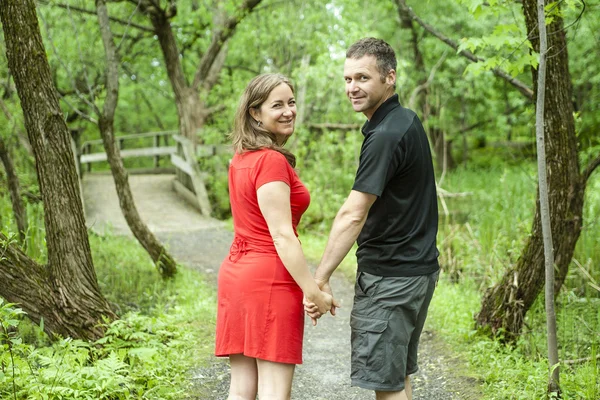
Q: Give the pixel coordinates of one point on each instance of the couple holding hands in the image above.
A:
(265, 286)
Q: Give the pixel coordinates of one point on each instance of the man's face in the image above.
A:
(364, 87)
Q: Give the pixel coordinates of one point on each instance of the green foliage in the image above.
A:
(510, 373)
(315, 161)
(165, 330)
(128, 363)
(145, 354)
(482, 234)
(475, 250)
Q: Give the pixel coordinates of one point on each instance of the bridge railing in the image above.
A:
(189, 181)
(149, 144)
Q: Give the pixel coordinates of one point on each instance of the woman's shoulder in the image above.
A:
(260, 155)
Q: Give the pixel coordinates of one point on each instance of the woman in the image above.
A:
(260, 317)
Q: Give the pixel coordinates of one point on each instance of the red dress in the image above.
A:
(260, 312)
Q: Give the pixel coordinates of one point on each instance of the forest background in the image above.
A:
(182, 65)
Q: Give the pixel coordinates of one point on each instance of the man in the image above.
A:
(392, 211)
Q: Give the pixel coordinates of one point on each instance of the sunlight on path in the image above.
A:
(158, 204)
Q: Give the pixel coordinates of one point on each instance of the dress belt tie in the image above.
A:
(241, 246)
(237, 249)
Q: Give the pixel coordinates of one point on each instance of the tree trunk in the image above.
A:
(166, 264)
(504, 306)
(190, 96)
(442, 149)
(14, 189)
(65, 292)
(420, 98)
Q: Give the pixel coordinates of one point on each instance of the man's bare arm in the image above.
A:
(346, 227)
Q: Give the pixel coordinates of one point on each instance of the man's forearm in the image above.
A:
(344, 232)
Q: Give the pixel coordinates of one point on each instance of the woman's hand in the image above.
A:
(319, 304)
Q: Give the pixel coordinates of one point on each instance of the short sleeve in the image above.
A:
(380, 157)
(272, 167)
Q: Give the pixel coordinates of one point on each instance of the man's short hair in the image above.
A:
(383, 53)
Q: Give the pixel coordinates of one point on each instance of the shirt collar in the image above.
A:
(380, 113)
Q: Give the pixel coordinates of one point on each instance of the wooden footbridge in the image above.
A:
(169, 192)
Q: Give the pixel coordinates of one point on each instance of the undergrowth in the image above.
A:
(481, 234)
(496, 217)
(165, 329)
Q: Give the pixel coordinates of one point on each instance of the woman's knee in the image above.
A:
(237, 396)
(274, 396)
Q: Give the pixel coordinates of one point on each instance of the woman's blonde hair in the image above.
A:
(247, 134)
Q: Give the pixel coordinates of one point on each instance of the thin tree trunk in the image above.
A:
(553, 382)
(14, 189)
(65, 292)
(419, 99)
(166, 264)
(504, 306)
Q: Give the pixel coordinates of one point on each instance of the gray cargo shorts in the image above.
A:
(387, 320)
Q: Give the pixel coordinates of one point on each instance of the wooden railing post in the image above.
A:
(188, 165)
(156, 143)
(88, 150)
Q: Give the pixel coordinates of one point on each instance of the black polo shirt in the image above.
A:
(399, 236)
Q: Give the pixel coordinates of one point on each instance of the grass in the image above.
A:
(165, 330)
(166, 327)
(481, 235)
(313, 245)
(475, 253)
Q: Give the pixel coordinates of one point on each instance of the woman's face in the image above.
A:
(278, 113)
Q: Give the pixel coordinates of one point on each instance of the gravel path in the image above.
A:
(202, 243)
(325, 374)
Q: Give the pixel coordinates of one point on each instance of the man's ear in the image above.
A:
(390, 79)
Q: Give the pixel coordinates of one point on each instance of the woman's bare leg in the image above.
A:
(274, 380)
(244, 378)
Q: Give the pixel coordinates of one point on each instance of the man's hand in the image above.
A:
(312, 310)
(326, 287)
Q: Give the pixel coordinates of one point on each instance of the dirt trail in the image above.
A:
(202, 243)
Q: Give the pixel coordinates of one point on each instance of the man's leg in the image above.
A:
(405, 394)
(408, 388)
(244, 378)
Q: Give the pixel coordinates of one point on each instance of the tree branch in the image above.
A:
(114, 19)
(213, 74)
(590, 168)
(425, 85)
(220, 37)
(214, 109)
(112, 64)
(333, 126)
(581, 360)
(520, 86)
(68, 71)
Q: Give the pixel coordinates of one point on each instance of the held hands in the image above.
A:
(318, 305)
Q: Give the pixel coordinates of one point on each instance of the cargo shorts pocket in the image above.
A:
(368, 345)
